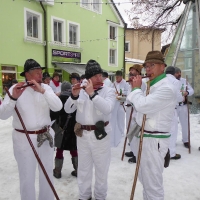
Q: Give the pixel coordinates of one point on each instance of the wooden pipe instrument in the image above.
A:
(24, 86)
(147, 76)
(83, 87)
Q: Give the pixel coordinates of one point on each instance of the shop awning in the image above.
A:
(71, 67)
(75, 67)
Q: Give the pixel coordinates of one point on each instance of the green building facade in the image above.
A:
(60, 36)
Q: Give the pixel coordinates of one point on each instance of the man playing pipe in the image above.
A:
(34, 104)
(159, 107)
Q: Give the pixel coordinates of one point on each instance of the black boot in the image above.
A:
(75, 165)
(58, 168)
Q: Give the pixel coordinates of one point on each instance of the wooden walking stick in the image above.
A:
(188, 112)
(33, 148)
(140, 149)
(118, 94)
(129, 123)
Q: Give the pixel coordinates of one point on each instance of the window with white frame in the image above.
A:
(33, 25)
(112, 56)
(93, 5)
(73, 34)
(127, 46)
(58, 30)
(112, 32)
(85, 3)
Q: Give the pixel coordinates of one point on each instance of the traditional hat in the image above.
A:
(92, 68)
(31, 64)
(170, 70)
(137, 67)
(155, 57)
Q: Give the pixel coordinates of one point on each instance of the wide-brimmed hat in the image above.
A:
(137, 67)
(31, 64)
(155, 57)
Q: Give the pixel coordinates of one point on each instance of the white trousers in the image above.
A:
(27, 163)
(173, 132)
(93, 152)
(183, 118)
(151, 167)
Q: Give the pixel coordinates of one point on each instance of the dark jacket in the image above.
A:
(69, 137)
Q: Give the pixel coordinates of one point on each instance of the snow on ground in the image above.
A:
(181, 179)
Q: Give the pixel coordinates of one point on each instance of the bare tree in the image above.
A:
(156, 15)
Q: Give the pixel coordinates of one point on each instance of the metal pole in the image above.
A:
(181, 33)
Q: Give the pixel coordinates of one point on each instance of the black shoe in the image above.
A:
(132, 160)
(176, 157)
(74, 173)
(88, 199)
(186, 145)
(129, 154)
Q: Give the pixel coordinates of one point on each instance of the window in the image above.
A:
(58, 31)
(8, 74)
(93, 5)
(73, 34)
(85, 3)
(33, 25)
(112, 56)
(96, 5)
(127, 46)
(112, 32)
(57, 26)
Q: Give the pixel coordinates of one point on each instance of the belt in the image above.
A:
(34, 132)
(154, 132)
(91, 127)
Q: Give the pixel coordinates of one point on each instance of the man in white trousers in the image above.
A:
(34, 104)
(182, 110)
(159, 108)
(170, 71)
(94, 105)
(118, 115)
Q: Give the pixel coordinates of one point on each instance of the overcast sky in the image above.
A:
(125, 5)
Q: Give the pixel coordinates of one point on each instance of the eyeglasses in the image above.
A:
(150, 66)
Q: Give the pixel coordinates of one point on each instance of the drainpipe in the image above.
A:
(45, 37)
(124, 67)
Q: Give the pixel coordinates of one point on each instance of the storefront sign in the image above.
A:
(66, 56)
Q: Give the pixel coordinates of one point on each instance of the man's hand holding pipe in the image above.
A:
(37, 87)
(89, 88)
(76, 89)
(136, 82)
(16, 93)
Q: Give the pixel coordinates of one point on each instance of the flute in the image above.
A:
(83, 87)
(147, 76)
(24, 86)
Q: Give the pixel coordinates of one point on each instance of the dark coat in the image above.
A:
(69, 137)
